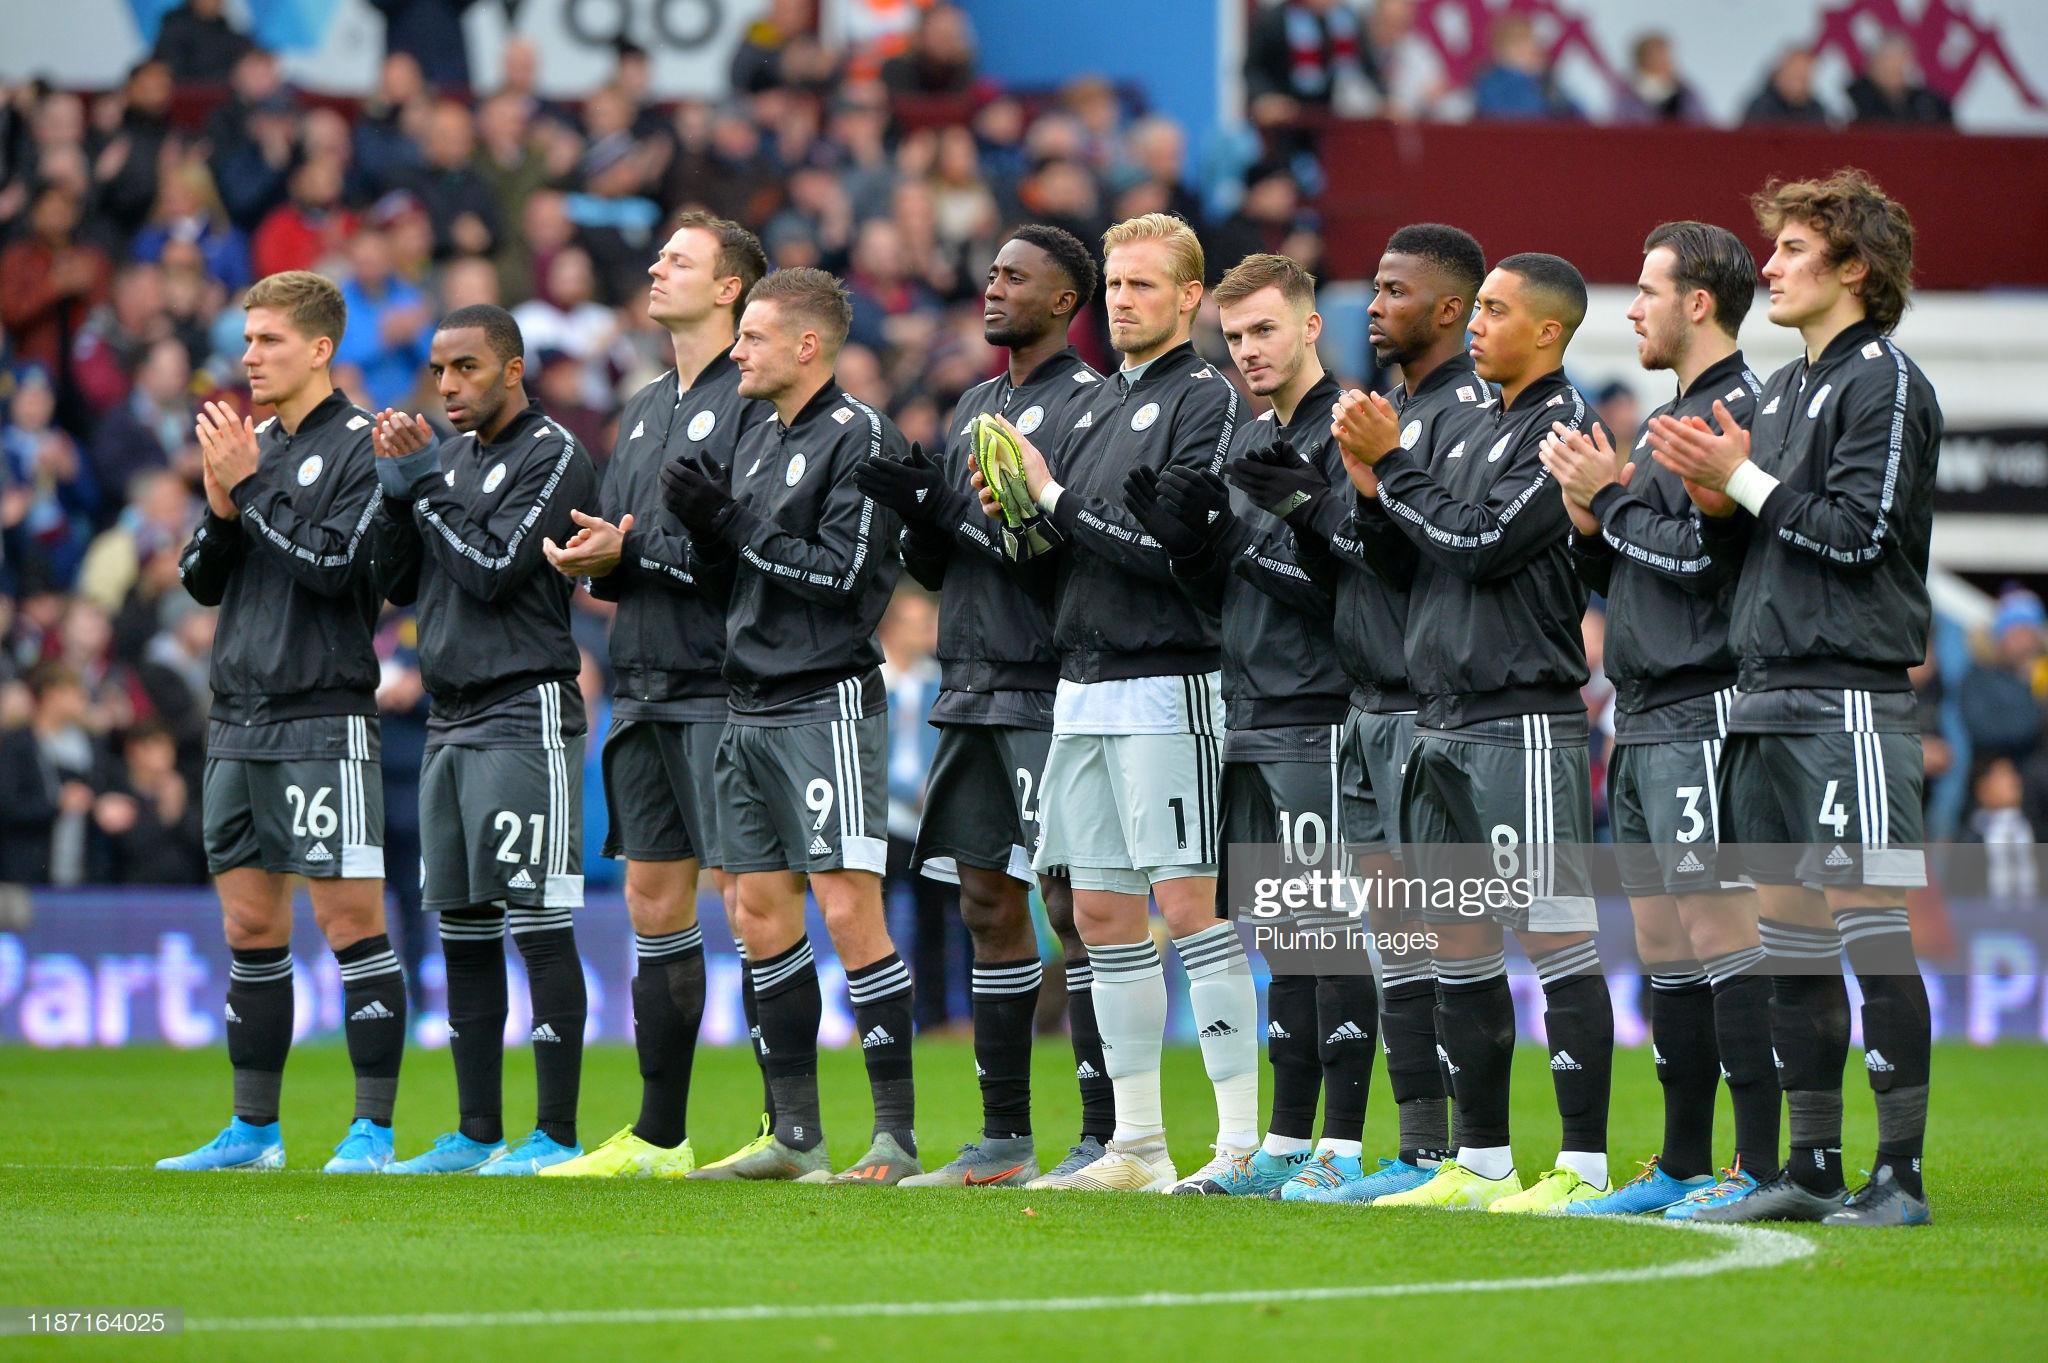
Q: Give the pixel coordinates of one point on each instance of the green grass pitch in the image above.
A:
(301, 1267)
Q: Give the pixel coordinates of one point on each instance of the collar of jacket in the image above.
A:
(1166, 362)
(1052, 366)
(519, 427)
(1852, 339)
(324, 411)
(811, 410)
(1458, 368)
(1312, 413)
(708, 375)
(1710, 379)
(1539, 391)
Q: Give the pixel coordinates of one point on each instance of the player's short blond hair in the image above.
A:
(1183, 247)
(310, 302)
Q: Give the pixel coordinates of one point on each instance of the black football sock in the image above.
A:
(373, 1013)
(1098, 1094)
(1688, 1067)
(1742, 1037)
(1897, 1035)
(1005, 1002)
(750, 1007)
(1578, 1019)
(882, 1006)
(1291, 1050)
(1475, 1016)
(1408, 1034)
(1810, 1037)
(554, 979)
(668, 1008)
(1347, 1022)
(259, 1021)
(473, 948)
(786, 987)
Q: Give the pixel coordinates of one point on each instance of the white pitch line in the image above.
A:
(1750, 1247)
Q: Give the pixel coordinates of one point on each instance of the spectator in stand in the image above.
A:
(126, 166)
(1299, 56)
(47, 493)
(562, 385)
(1656, 93)
(1787, 96)
(1269, 218)
(50, 282)
(144, 431)
(147, 822)
(188, 208)
(46, 791)
(1998, 821)
(389, 324)
(114, 692)
(508, 160)
(908, 634)
(387, 132)
(615, 220)
(1407, 73)
(116, 335)
(1156, 152)
(940, 59)
(1888, 90)
(859, 134)
(758, 61)
(567, 318)
(544, 230)
(467, 281)
(458, 200)
(402, 725)
(889, 307)
(633, 78)
(161, 511)
(1519, 82)
(176, 660)
(430, 32)
(1618, 408)
(254, 174)
(311, 228)
(198, 44)
(2001, 697)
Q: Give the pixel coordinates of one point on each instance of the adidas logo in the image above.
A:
(1275, 1032)
(1837, 858)
(373, 1011)
(1084, 1070)
(1690, 864)
(754, 1035)
(1563, 1061)
(1346, 1031)
(979, 1072)
(319, 853)
(639, 429)
(1875, 1062)
(1774, 1058)
(1770, 407)
(1218, 1028)
(1725, 1074)
(230, 1014)
(1655, 1055)
(1443, 1057)
(878, 1036)
(520, 880)
(819, 847)
(544, 1032)
(1087, 420)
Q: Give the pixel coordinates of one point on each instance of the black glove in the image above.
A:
(1278, 481)
(1198, 497)
(908, 486)
(1143, 498)
(695, 493)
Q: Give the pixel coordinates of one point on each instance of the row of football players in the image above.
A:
(1165, 630)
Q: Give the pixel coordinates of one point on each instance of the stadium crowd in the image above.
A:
(130, 231)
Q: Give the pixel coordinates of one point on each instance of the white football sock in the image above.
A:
(1588, 1166)
(1351, 1149)
(1226, 1007)
(1130, 1013)
(1487, 1161)
(1284, 1145)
